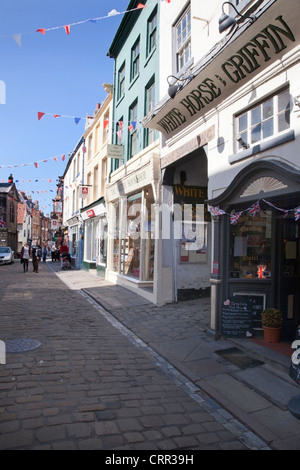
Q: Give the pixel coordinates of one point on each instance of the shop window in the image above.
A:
(115, 216)
(182, 32)
(250, 250)
(131, 243)
(264, 120)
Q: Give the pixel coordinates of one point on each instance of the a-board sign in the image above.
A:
(294, 371)
(236, 319)
(257, 302)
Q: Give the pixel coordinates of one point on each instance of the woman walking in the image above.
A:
(25, 255)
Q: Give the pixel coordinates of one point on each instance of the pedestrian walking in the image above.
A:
(25, 255)
(64, 250)
(53, 252)
(45, 251)
(36, 256)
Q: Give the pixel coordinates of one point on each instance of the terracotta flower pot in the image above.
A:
(272, 335)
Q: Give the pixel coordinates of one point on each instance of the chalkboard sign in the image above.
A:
(237, 317)
(257, 303)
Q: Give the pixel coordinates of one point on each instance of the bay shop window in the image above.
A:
(134, 239)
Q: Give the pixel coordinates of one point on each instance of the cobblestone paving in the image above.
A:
(88, 386)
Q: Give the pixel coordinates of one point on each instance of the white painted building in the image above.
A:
(232, 126)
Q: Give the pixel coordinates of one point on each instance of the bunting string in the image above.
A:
(67, 27)
(252, 211)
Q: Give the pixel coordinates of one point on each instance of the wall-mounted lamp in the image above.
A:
(226, 21)
(172, 90)
(243, 143)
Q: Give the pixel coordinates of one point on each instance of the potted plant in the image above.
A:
(272, 321)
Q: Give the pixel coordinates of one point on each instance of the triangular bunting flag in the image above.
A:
(77, 120)
(18, 39)
(40, 115)
(132, 126)
(41, 30)
(67, 28)
(105, 123)
(56, 115)
(140, 5)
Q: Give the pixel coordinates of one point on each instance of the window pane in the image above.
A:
(284, 101)
(268, 128)
(243, 122)
(256, 134)
(283, 121)
(255, 115)
(268, 109)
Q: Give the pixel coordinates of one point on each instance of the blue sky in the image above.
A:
(53, 73)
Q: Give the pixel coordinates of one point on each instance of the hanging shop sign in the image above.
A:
(115, 151)
(83, 192)
(272, 35)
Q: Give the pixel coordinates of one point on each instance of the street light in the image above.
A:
(172, 90)
(226, 21)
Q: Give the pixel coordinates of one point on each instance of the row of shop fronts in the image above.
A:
(212, 208)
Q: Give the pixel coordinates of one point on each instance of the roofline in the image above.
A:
(126, 25)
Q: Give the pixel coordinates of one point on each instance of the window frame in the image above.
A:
(247, 131)
(152, 25)
(132, 140)
(185, 43)
(135, 60)
(149, 134)
(121, 82)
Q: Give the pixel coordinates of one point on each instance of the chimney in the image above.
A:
(10, 178)
(98, 106)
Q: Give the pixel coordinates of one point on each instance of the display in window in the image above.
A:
(250, 256)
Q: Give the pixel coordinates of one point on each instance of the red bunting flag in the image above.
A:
(67, 28)
(105, 123)
(40, 115)
(41, 30)
(140, 5)
(55, 159)
(56, 115)
(36, 165)
(63, 158)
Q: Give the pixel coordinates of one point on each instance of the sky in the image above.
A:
(53, 73)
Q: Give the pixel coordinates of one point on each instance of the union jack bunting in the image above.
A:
(254, 209)
(2, 223)
(216, 211)
(297, 213)
(235, 217)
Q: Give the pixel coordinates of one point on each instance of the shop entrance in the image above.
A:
(287, 285)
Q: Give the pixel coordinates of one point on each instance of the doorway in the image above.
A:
(287, 287)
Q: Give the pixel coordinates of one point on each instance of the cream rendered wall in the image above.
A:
(96, 140)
